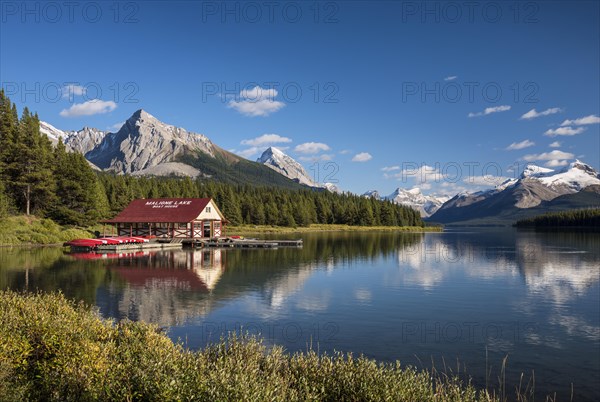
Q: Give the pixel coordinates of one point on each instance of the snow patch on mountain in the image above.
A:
(532, 170)
(52, 132)
(575, 177)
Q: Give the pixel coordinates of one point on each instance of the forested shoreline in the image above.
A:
(584, 218)
(42, 179)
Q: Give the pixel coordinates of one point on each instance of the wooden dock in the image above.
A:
(178, 243)
(243, 243)
(117, 248)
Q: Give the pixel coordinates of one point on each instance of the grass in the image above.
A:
(257, 229)
(53, 349)
(30, 230)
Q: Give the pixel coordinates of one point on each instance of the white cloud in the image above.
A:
(260, 108)
(116, 126)
(311, 148)
(548, 156)
(532, 114)
(453, 188)
(591, 119)
(316, 158)
(487, 180)
(71, 90)
(490, 110)
(257, 102)
(249, 152)
(556, 163)
(257, 93)
(553, 132)
(345, 151)
(266, 139)
(450, 78)
(390, 168)
(89, 108)
(421, 174)
(362, 157)
(555, 144)
(520, 145)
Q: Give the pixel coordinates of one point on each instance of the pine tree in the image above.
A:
(29, 167)
(82, 199)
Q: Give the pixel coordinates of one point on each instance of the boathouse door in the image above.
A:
(207, 229)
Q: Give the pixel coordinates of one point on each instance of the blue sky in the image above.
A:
(373, 95)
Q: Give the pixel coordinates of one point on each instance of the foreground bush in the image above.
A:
(56, 350)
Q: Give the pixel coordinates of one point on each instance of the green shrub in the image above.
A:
(52, 349)
(31, 230)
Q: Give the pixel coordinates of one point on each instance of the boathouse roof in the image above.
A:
(163, 210)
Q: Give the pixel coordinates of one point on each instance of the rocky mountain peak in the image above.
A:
(282, 163)
(584, 167)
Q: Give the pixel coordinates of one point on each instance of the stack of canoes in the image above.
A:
(104, 241)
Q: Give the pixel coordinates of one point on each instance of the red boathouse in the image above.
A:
(185, 218)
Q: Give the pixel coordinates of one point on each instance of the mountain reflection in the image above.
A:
(560, 266)
(557, 269)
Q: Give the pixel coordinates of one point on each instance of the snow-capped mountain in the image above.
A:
(81, 141)
(146, 146)
(575, 177)
(372, 194)
(144, 142)
(333, 188)
(536, 190)
(282, 163)
(414, 198)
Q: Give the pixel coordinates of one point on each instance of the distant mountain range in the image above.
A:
(536, 191)
(146, 146)
(414, 198)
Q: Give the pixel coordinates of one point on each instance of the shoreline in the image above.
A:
(20, 231)
(315, 228)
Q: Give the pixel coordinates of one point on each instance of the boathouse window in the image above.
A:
(208, 209)
(182, 225)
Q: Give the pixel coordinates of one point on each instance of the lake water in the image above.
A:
(456, 299)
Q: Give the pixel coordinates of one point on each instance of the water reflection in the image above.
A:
(165, 288)
(557, 266)
(391, 296)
